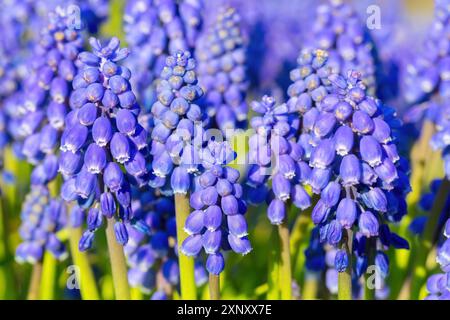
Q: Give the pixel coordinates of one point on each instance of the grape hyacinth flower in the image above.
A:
(221, 56)
(441, 140)
(338, 30)
(274, 153)
(176, 142)
(356, 169)
(438, 284)
(427, 74)
(154, 30)
(310, 82)
(45, 95)
(151, 250)
(178, 121)
(103, 146)
(425, 86)
(42, 217)
(217, 221)
(275, 129)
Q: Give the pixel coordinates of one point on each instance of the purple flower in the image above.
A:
(104, 129)
(221, 56)
(173, 135)
(218, 219)
(275, 131)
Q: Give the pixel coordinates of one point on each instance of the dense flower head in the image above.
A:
(151, 250)
(42, 217)
(40, 108)
(426, 82)
(310, 83)
(438, 284)
(274, 154)
(155, 29)
(103, 147)
(338, 30)
(221, 55)
(428, 72)
(217, 221)
(178, 123)
(356, 169)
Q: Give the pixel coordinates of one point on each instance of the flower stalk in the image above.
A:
(47, 287)
(86, 279)
(118, 265)
(35, 282)
(214, 286)
(285, 262)
(187, 279)
(345, 278)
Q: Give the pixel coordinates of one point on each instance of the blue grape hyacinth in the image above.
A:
(310, 83)
(218, 219)
(178, 122)
(221, 56)
(45, 95)
(427, 73)
(275, 154)
(103, 148)
(438, 284)
(338, 30)
(151, 250)
(356, 169)
(154, 30)
(42, 217)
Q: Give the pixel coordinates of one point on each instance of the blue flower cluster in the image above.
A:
(218, 220)
(178, 123)
(103, 147)
(429, 72)
(441, 140)
(438, 284)
(274, 154)
(310, 83)
(151, 249)
(155, 29)
(356, 169)
(42, 218)
(45, 95)
(221, 55)
(338, 29)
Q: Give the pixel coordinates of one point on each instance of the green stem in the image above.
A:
(273, 292)
(187, 267)
(345, 278)
(428, 238)
(285, 262)
(311, 285)
(214, 287)
(136, 294)
(86, 280)
(47, 290)
(118, 265)
(35, 282)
